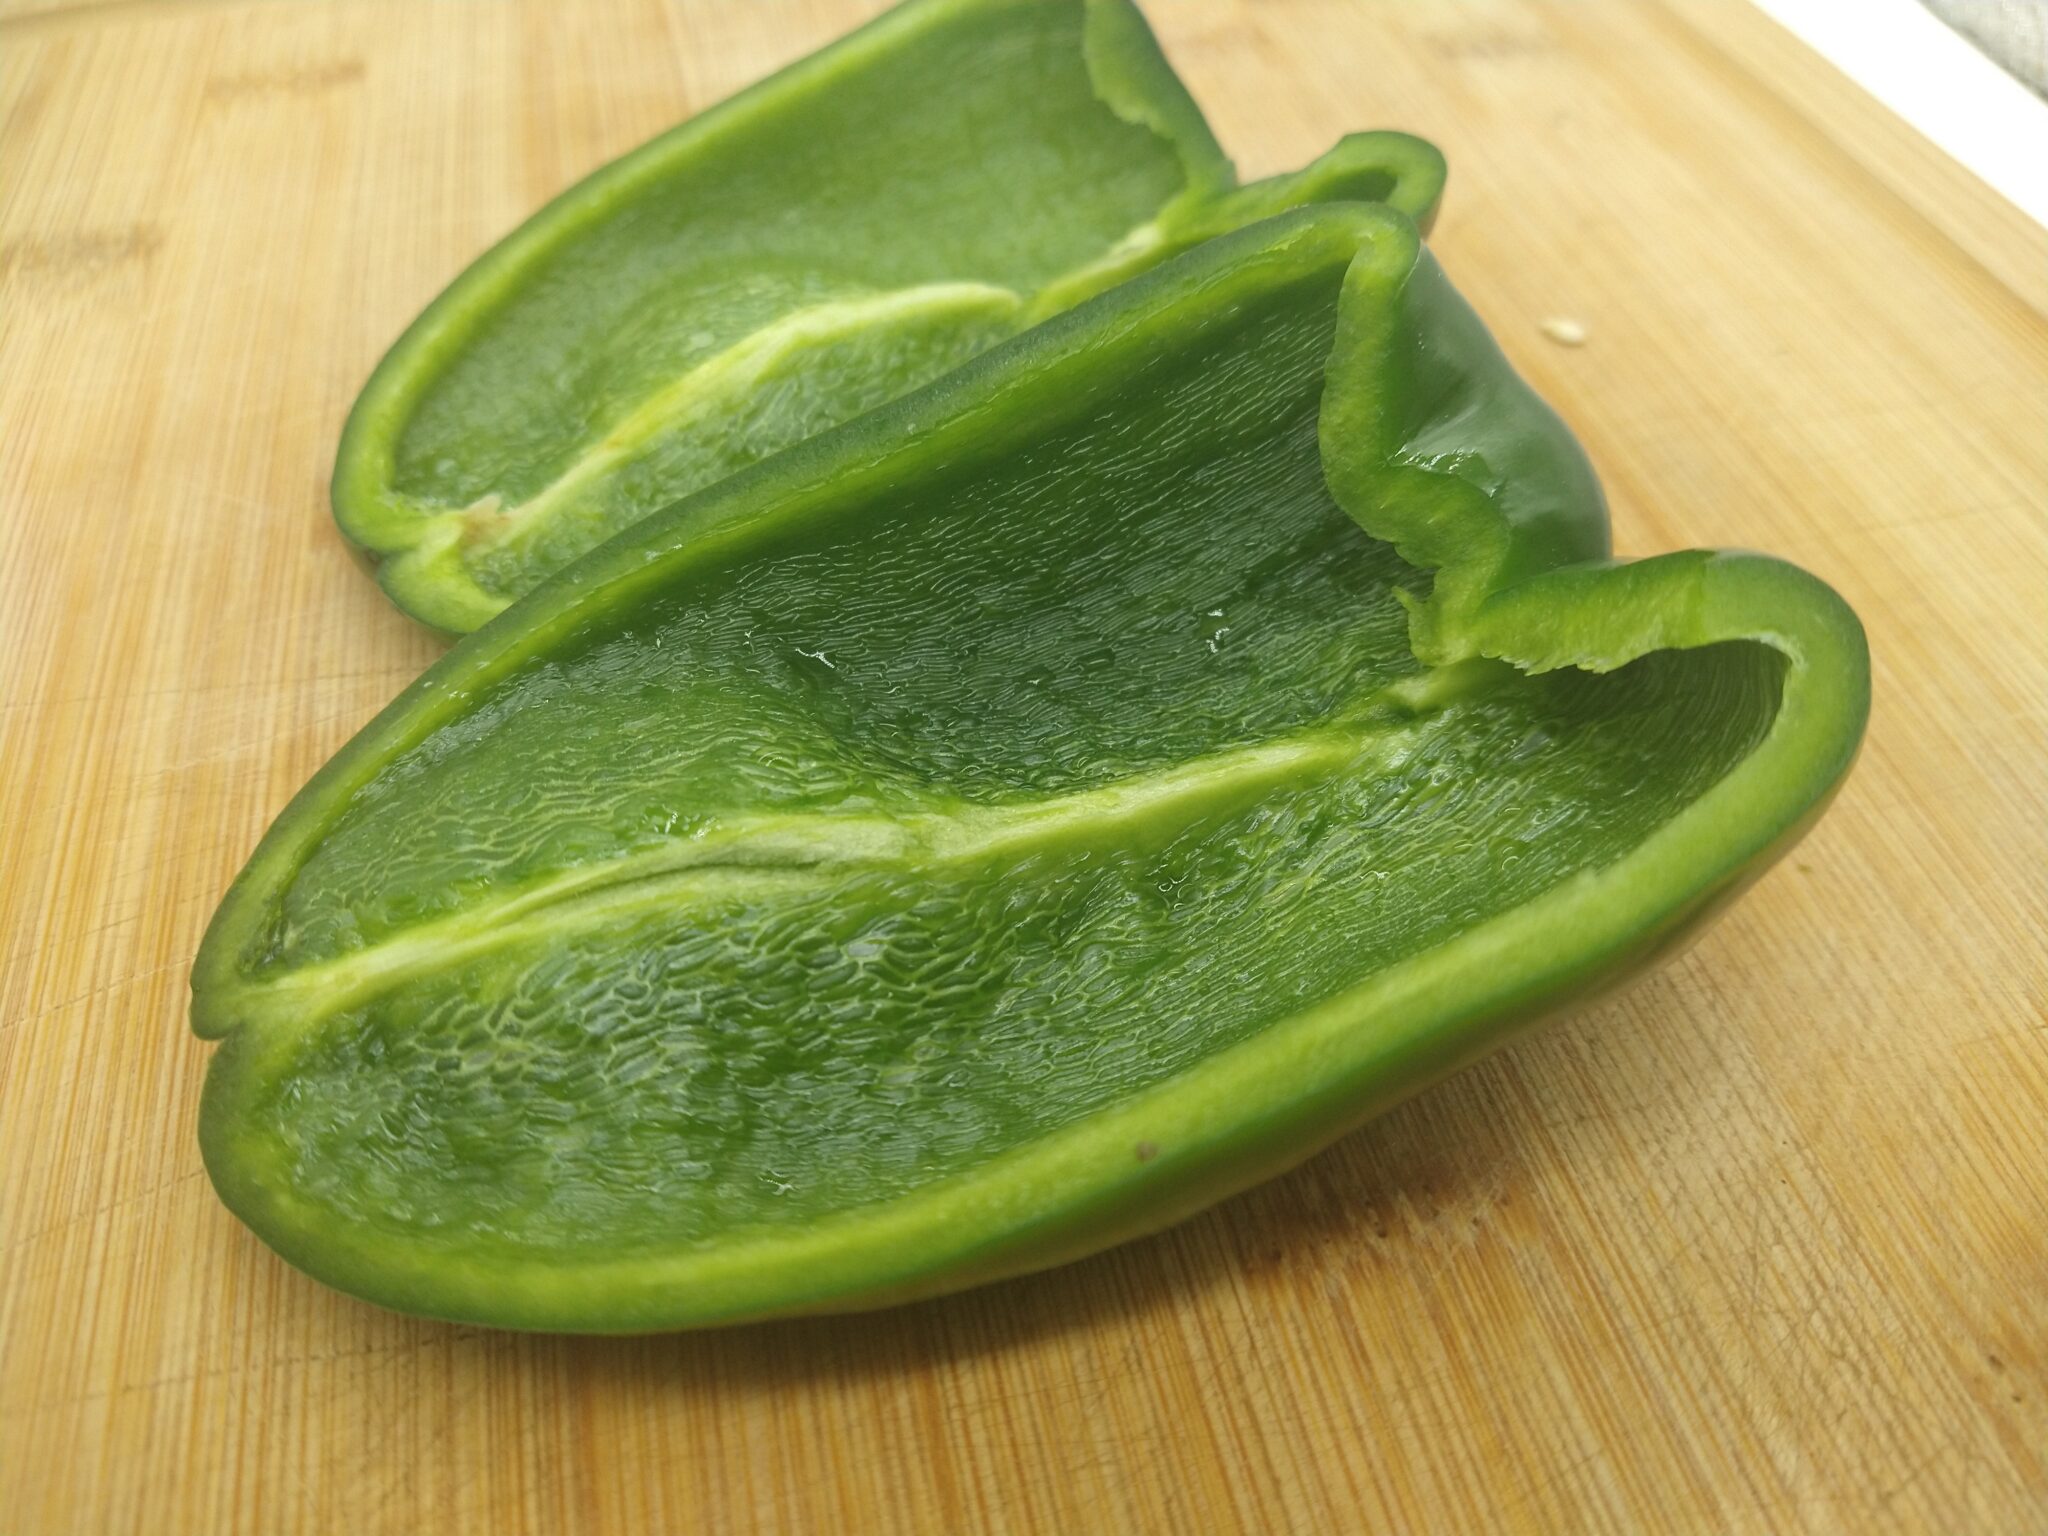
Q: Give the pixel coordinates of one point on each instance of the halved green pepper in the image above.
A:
(1005, 823)
(824, 242)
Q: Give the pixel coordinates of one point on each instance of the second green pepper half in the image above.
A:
(841, 233)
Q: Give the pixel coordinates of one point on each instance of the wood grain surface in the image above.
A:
(1759, 1246)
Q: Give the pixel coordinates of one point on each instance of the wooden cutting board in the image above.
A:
(1761, 1245)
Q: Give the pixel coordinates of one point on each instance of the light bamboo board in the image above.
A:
(1760, 1246)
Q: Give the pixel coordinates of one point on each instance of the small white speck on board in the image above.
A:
(1564, 331)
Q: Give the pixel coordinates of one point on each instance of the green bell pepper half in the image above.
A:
(840, 233)
(1006, 823)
